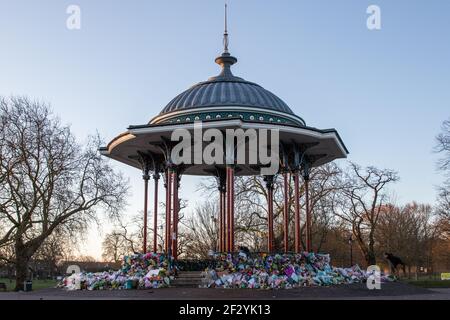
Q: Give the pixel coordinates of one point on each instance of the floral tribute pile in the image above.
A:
(279, 271)
(139, 271)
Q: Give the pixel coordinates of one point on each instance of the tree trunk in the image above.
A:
(371, 258)
(21, 271)
(23, 257)
(367, 250)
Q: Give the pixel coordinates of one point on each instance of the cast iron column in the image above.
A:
(286, 211)
(221, 181)
(174, 237)
(146, 177)
(224, 219)
(221, 217)
(230, 209)
(155, 214)
(308, 215)
(270, 237)
(168, 209)
(297, 212)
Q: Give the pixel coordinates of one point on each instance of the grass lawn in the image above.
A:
(425, 281)
(430, 283)
(37, 284)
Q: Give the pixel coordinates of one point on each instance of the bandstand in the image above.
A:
(225, 102)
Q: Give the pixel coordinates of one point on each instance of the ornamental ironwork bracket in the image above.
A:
(220, 176)
(284, 159)
(308, 162)
(165, 147)
(269, 180)
(300, 153)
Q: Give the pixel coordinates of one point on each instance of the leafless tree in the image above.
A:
(200, 230)
(251, 207)
(114, 247)
(124, 239)
(362, 198)
(48, 181)
(443, 147)
(127, 238)
(408, 232)
(55, 248)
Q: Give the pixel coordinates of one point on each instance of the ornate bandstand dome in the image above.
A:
(227, 96)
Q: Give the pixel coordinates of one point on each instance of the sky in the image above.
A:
(386, 91)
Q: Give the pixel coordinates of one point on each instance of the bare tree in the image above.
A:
(114, 247)
(251, 209)
(48, 180)
(408, 232)
(443, 147)
(124, 239)
(361, 202)
(200, 230)
(53, 250)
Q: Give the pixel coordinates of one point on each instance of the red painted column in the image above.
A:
(168, 209)
(230, 209)
(308, 216)
(297, 212)
(175, 215)
(155, 214)
(286, 211)
(228, 224)
(146, 177)
(220, 219)
(224, 219)
(270, 217)
(166, 187)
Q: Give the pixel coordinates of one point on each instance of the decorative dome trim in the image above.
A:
(210, 112)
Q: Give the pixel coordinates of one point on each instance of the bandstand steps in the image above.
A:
(187, 279)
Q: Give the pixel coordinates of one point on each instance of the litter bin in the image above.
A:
(28, 286)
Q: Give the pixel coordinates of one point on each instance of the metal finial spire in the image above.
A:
(225, 60)
(225, 34)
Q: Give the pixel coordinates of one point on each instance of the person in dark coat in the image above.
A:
(244, 250)
(394, 262)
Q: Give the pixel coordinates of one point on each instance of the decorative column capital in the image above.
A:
(269, 180)
(221, 178)
(145, 162)
(306, 168)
